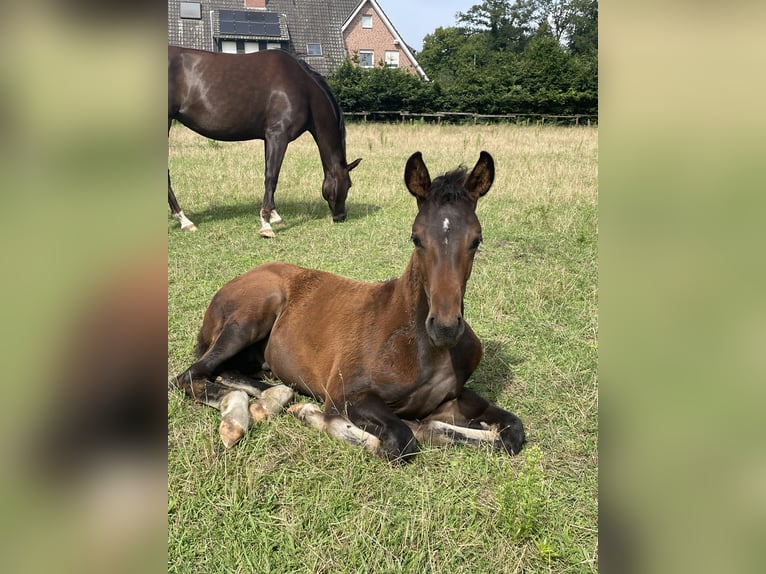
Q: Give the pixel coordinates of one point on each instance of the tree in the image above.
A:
(527, 56)
(582, 27)
(499, 21)
(380, 89)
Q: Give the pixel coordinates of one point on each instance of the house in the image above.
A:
(323, 33)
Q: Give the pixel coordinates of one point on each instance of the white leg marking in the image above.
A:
(235, 419)
(443, 434)
(271, 403)
(275, 218)
(266, 230)
(186, 223)
(335, 426)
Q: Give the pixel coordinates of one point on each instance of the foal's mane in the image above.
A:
(450, 187)
(325, 87)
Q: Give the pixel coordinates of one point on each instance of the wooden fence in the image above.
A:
(467, 117)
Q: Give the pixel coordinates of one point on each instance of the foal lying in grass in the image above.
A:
(389, 360)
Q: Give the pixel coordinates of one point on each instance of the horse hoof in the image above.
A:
(302, 410)
(231, 433)
(267, 233)
(190, 227)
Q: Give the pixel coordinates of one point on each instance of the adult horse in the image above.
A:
(390, 360)
(268, 95)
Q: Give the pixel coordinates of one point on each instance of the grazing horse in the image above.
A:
(390, 360)
(268, 95)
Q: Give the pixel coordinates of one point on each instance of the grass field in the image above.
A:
(287, 499)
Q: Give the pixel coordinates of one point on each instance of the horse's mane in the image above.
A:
(325, 87)
(450, 187)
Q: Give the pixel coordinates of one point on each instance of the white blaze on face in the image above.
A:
(445, 227)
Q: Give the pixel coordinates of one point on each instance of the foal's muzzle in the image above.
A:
(339, 218)
(444, 334)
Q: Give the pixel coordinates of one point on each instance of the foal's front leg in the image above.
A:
(474, 411)
(366, 422)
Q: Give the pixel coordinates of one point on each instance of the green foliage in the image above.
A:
(531, 56)
(380, 88)
(523, 499)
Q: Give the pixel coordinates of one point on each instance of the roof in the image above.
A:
(300, 22)
(249, 24)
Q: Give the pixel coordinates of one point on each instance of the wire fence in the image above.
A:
(468, 117)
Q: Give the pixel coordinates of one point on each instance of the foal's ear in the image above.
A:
(416, 176)
(354, 163)
(482, 176)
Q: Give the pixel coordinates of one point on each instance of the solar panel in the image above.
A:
(249, 23)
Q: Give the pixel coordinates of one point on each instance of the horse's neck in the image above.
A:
(329, 140)
(411, 291)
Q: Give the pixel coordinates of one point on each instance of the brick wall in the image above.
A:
(378, 39)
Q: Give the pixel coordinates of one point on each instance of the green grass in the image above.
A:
(287, 499)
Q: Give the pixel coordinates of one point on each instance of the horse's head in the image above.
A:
(335, 188)
(446, 234)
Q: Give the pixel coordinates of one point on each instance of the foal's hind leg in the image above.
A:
(237, 415)
(368, 422)
(230, 398)
(336, 426)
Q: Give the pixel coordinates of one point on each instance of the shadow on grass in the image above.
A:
(494, 376)
(292, 212)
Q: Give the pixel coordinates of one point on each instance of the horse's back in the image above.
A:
(234, 97)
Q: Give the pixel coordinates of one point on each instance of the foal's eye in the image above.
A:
(475, 244)
(416, 240)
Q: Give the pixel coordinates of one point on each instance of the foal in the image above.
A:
(390, 360)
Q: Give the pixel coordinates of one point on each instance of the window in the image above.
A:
(314, 49)
(229, 46)
(191, 10)
(366, 58)
(392, 59)
(273, 46)
(238, 46)
(367, 21)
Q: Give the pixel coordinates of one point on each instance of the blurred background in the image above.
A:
(84, 288)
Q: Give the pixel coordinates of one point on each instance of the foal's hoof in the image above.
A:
(267, 233)
(231, 433)
(513, 438)
(271, 403)
(189, 227)
(235, 418)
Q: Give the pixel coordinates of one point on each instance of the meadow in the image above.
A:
(288, 499)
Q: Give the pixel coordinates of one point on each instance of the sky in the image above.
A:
(414, 19)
